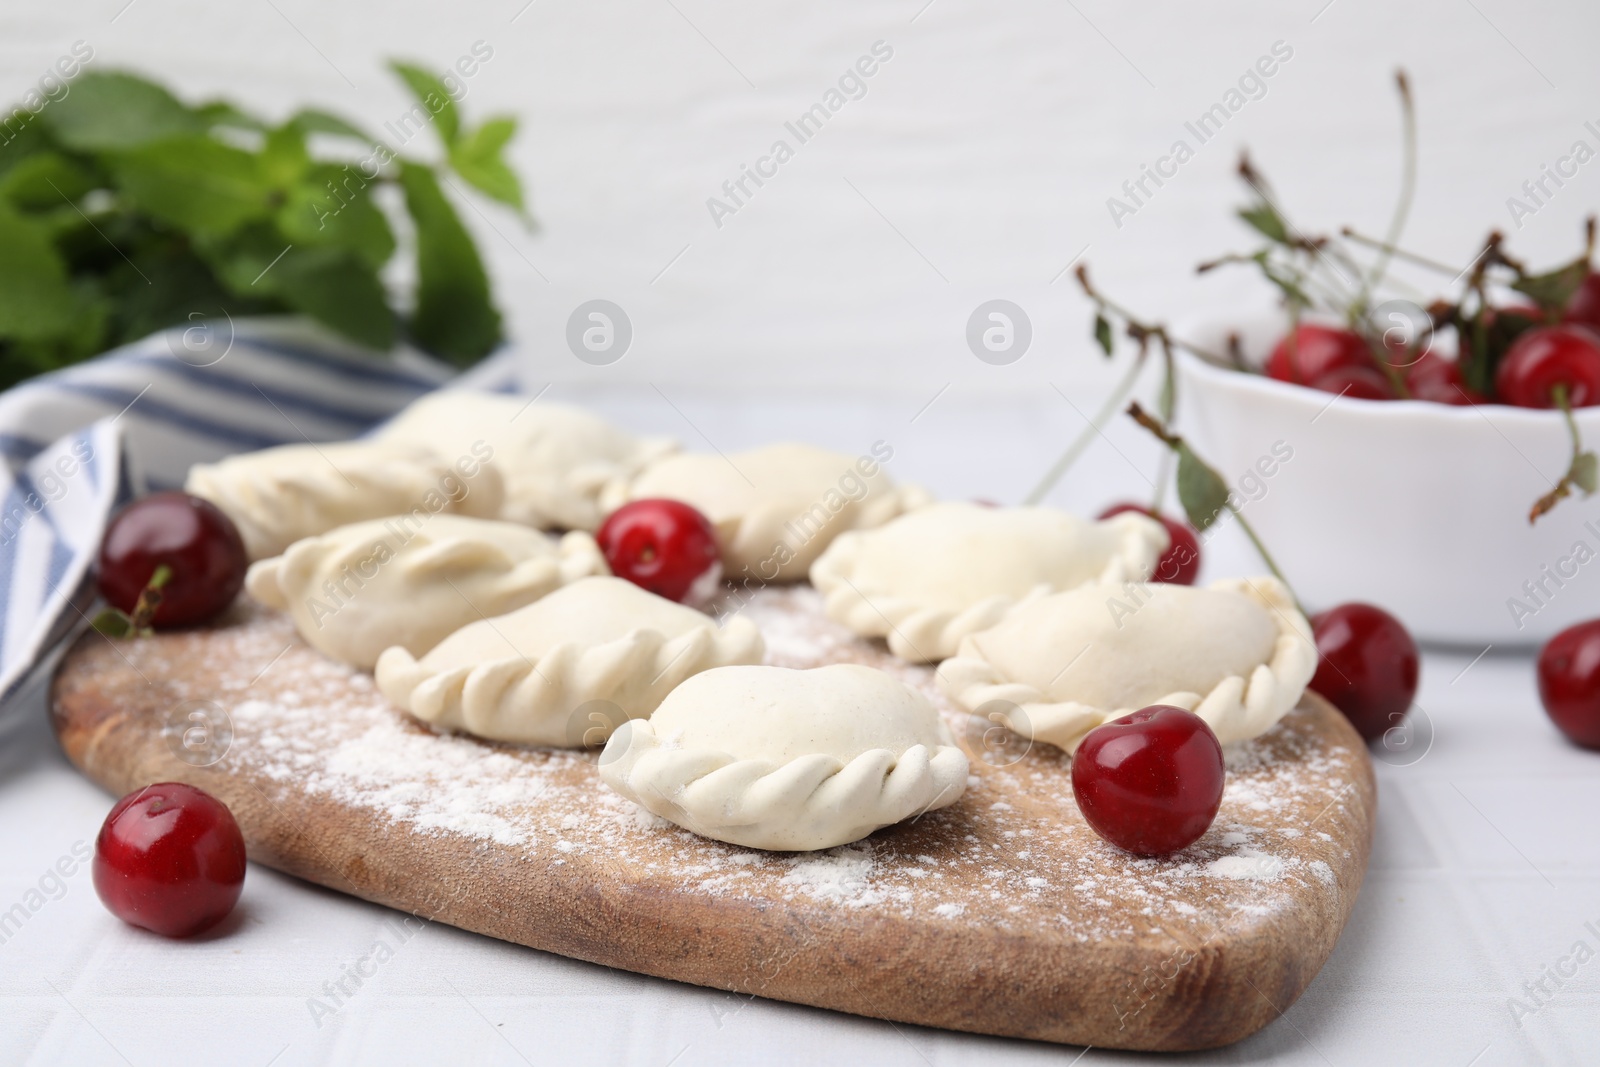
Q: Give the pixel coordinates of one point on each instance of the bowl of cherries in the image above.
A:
(1440, 457)
(1430, 456)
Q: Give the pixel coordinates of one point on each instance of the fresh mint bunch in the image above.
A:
(124, 211)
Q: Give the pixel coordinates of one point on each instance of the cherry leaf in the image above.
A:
(1554, 289)
(1201, 490)
(113, 623)
(1265, 220)
(1102, 333)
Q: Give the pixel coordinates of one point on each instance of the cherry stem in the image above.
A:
(1177, 445)
(1563, 489)
(1266, 557)
(1391, 249)
(149, 600)
(1317, 250)
(1142, 331)
(1408, 188)
(1086, 437)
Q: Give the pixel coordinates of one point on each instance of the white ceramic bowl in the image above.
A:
(1418, 507)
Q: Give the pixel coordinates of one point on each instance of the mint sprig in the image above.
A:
(124, 210)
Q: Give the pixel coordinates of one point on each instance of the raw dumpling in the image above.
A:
(554, 460)
(1238, 653)
(409, 581)
(279, 495)
(776, 508)
(774, 758)
(567, 669)
(935, 575)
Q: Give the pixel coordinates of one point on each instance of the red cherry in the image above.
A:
(1363, 383)
(664, 546)
(1180, 563)
(196, 541)
(1367, 666)
(170, 859)
(1569, 681)
(1433, 377)
(1542, 359)
(1584, 307)
(1317, 350)
(1150, 782)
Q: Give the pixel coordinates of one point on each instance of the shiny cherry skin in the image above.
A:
(1180, 563)
(1367, 666)
(664, 546)
(170, 859)
(1544, 358)
(1317, 350)
(196, 541)
(1150, 782)
(1584, 307)
(1362, 383)
(1433, 377)
(1569, 681)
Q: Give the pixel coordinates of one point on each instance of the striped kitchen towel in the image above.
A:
(77, 443)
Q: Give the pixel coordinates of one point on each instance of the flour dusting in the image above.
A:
(1014, 853)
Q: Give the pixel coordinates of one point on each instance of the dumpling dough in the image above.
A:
(937, 574)
(567, 669)
(774, 758)
(554, 460)
(279, 495)
(410, 581)
(776, 508)
(1238, 653)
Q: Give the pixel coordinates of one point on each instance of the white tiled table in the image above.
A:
(1485, 871)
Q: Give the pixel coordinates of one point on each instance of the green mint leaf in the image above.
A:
(112, 623)
(433, 98)
(1201, 490)
(284, 158)
(310, 120)
(1554, 289)
(1585, 473)
(244, 260)
(172, 286)
(479, 158)
(454, 317)
(1102, 333)
(198, 185)
(335, 287)
(36, 301)
(1265, 220)
(113, 111)
(27, 137)
(45, 180)
(221, 113)
(333, 206)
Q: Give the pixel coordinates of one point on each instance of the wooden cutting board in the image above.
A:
(1003, 914)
